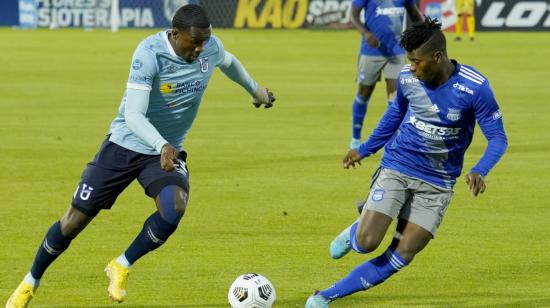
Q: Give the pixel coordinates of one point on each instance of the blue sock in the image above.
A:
(360, 107)
(53, 245)
(353, 240)
(366, 275)
(154, 233)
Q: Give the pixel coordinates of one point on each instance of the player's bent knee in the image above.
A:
(172, 201)
(367, 242)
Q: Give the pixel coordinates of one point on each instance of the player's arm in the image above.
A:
(142, 73)
(232, 68)
(356, 8)
(386, 128)
(137, 103)
(489, 118)
(413, 12)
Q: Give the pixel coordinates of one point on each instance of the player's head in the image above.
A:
(426, 48)
(191, 30)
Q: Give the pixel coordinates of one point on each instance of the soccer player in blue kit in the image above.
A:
(168, 76)
(433, 116)
(380, 51)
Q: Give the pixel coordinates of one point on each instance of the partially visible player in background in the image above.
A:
(465, 8)
(437, 105)
(168, 76)
(380, 51)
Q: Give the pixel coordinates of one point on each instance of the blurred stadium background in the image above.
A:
(268, 191)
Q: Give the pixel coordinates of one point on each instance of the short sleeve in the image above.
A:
(143, 68)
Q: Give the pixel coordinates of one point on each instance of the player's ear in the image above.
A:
(438, 55)
(175, 33)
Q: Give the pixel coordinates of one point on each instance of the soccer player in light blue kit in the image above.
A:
(168, 76)
(379, 51)
(437, 104)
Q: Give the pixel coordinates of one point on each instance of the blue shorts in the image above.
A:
(114, 168)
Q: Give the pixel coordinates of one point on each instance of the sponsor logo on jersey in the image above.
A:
(183, 87)
(497, 115)
(390, 11)
(434, 132)
(137, 64)
(166, 88)
(463, 88)
(204, 64)
(409, 80)
(453, 114)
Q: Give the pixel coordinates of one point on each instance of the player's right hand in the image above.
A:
(168, 155)
(371, 40)
(351, 159)
(263, 97)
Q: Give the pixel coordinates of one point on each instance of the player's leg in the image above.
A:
(392, 69)
(170, 191)
(387, 196)
(470, 19)
(368, 73)
(98, 189)
(459, 6)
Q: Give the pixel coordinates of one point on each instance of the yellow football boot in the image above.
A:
(21, 296)
(118, 276)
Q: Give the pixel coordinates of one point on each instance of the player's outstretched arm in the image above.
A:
(233, 69)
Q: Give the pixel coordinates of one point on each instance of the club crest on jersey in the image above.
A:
(377, 195)
(453, 114)
(204, 64)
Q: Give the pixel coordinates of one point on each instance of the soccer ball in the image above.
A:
(251, 291)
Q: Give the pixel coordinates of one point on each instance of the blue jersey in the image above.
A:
(176, 90)
(436, 126)
(384, 18)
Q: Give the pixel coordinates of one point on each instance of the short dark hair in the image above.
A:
(424, 32)
(190, 15)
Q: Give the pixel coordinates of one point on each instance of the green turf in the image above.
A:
(268, 191)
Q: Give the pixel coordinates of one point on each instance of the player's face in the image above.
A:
(190, 43)
(425, 64)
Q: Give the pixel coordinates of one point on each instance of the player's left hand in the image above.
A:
(263, 97)
(351, 159)
(476, 183)
(168, 155)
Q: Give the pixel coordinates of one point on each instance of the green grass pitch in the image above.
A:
(268, 192)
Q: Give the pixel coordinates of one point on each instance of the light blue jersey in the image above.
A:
(436, 126)
(176, 88)
(384, 18)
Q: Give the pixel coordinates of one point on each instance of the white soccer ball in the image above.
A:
(251, 291)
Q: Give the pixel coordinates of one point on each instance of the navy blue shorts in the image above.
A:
(114, 168)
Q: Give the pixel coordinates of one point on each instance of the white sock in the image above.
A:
(31, 280)
(123, 261)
